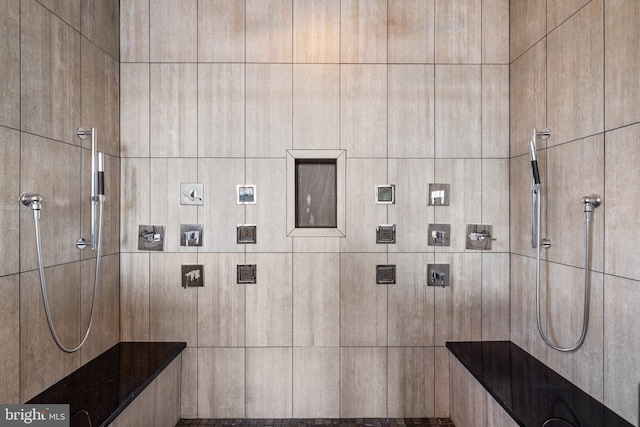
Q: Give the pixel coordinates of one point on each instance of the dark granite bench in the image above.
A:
(530, 392)
(101, 389)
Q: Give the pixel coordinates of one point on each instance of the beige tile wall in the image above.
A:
(577, 72)
(416, 92)
(60, 71)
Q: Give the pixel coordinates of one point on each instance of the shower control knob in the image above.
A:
(546, 243)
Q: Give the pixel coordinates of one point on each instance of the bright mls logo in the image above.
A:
(34, 415)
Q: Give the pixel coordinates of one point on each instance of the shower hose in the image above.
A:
(587, 286)
(43, 284)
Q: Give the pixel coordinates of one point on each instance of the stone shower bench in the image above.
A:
(528, 392)
(127, 385)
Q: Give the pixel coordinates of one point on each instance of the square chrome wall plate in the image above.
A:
(438, 275)
(246, 273)
(191, 193)
(191, 234)
(246, 233)
(439, 235)
(385, 274)
(385, 194)
(386, 233)
(246, 194)
(151, 237)
(438, 195)
(479, 236)
(192, 276)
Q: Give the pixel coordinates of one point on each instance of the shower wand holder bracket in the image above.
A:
(82, 243)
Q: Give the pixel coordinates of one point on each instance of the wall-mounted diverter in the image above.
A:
(479, 236)
(438, 275)
(439, 234)
(385, 194)
(191, 193)
(192, 276)
(385, 274)
(386, 233)
(438, 195)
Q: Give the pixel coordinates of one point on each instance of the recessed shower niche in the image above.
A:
(315, 193)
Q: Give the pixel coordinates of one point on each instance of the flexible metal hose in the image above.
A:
(587, 285)
(43, 285)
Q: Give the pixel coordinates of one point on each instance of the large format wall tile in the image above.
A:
(221, 110)
(164, 198)
(134, 110)
(316, 299)
(220, 214)
(495, 31)
(316, 106)
(363, 214)
(410, 213)
(316, 382)
(134, 201)
(495, 297)
(96, 24)
(621, 346)
(564, 310)
(363, 31)
(528, 16)
(465, 178)
(363, 382)
(134, 296)
(221, 382)
(134, 31)
(10, 66)
(316, 31)
(269, 304)
(10, 335)
(411, 31)
(458, 111)
(269, 113)
(221, 27)
(173, 102)
(269, 382)
(50, 75)
(575, 170)
(458, 32)
(621, 210)
(495, 195)
(411, 303)
(58, 185)
(173, 30)
(560, 10)
(411, 110)
(221, 302)
(173, 310)
(270, 209)
(363, 303)
(495, 111)
(105, 331)
(43, 363)
(9, 207)
(363, 110)
(410, 382)
(528, 85)
(622, 63)
(575, 76)
(269, 30)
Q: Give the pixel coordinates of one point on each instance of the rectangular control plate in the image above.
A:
(438, 275)
(246, 233)
(385, 274)
(439, 234)
(247, 273)
(386, 233)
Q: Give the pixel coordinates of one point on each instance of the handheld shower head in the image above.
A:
(532, 150)
(534, 162)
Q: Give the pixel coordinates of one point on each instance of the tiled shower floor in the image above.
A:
(331, 422)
